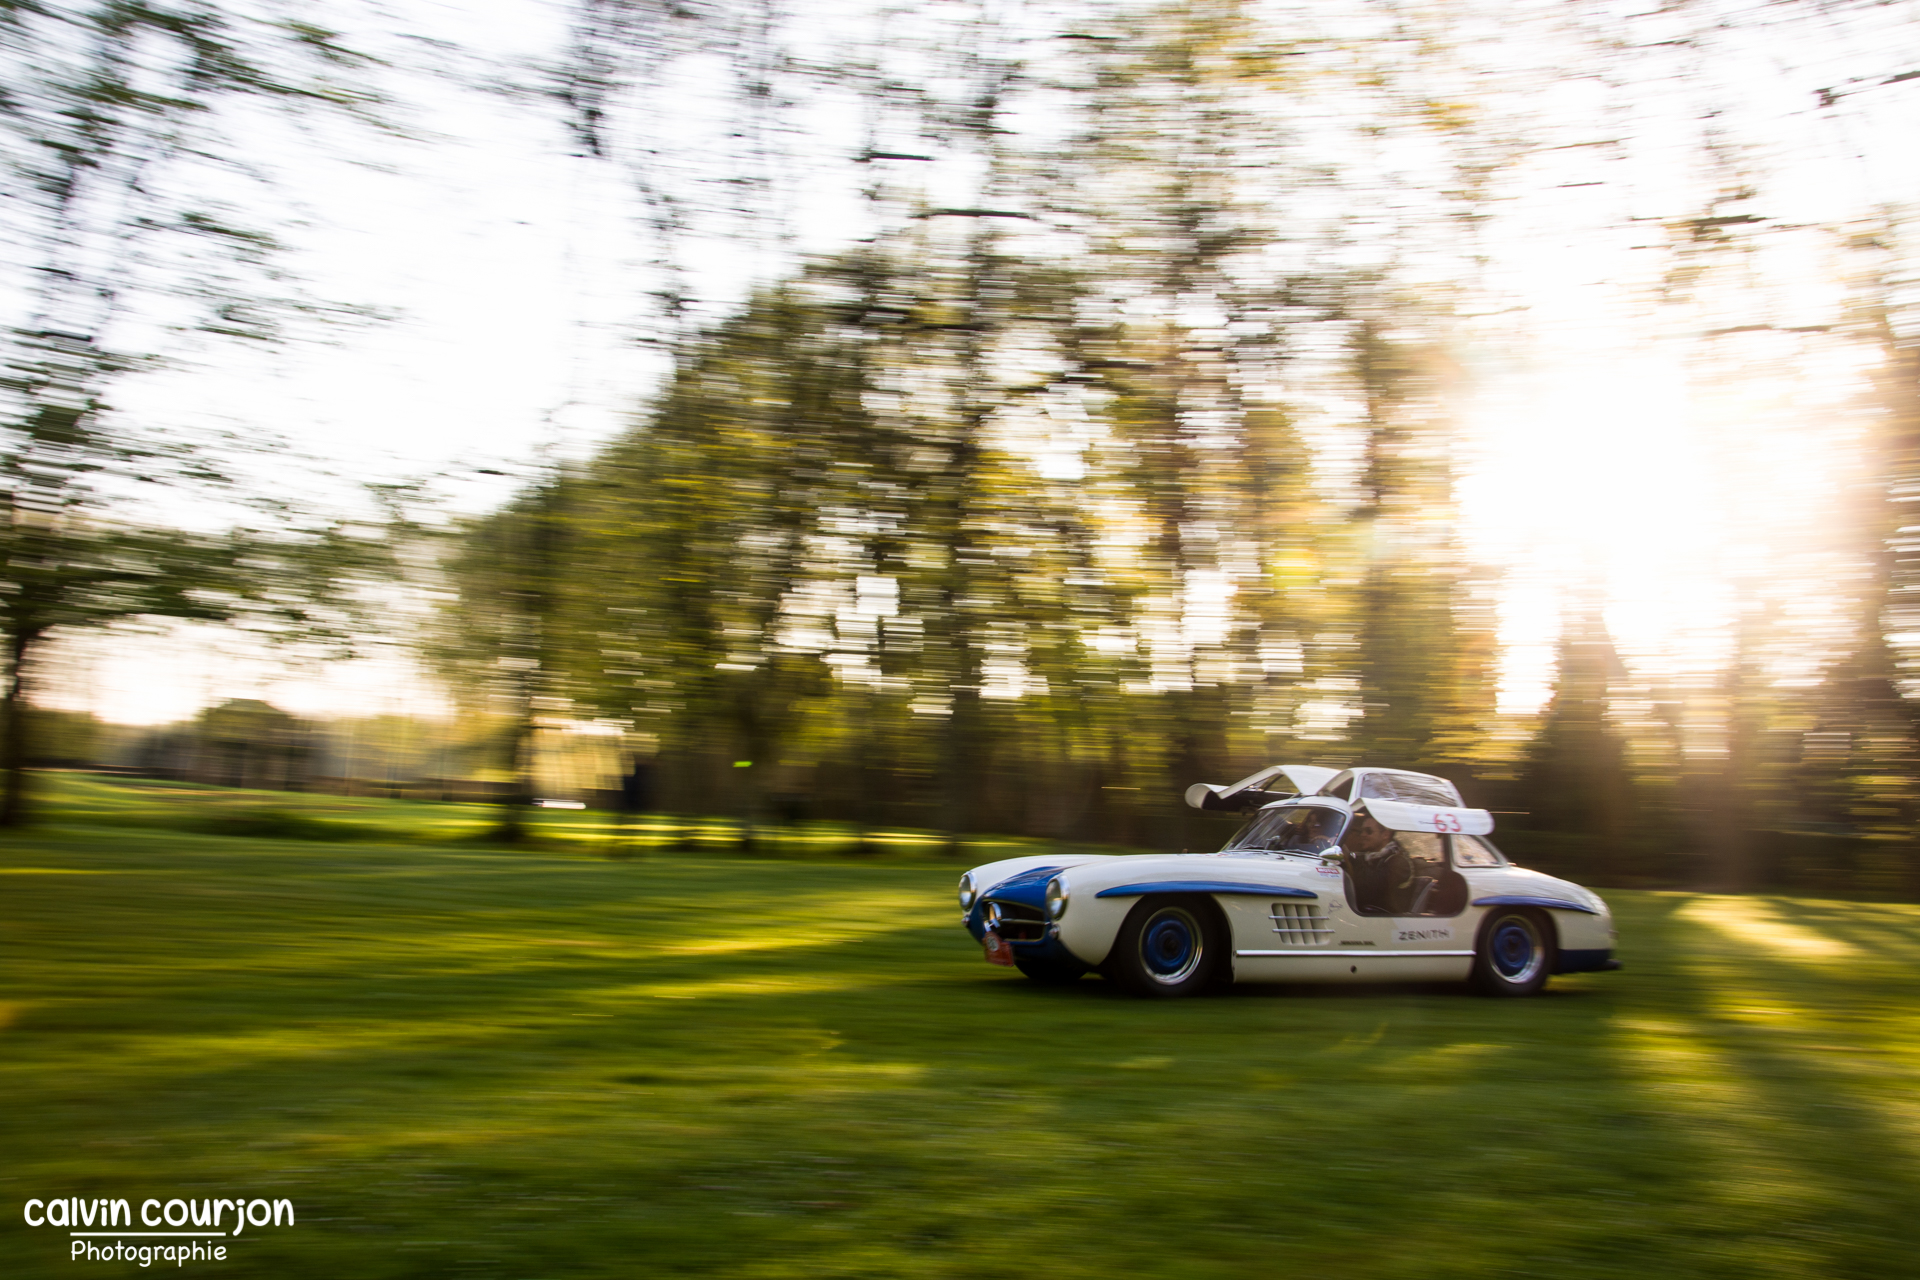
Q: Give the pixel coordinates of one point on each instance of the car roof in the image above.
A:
(1364, 771)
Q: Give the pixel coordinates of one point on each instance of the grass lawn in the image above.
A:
(466, 1062)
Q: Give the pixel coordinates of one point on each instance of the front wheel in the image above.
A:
(1168, 947)
(1514, 956)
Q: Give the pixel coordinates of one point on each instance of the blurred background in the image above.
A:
(977, 417)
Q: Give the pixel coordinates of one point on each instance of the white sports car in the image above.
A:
(1362, 875)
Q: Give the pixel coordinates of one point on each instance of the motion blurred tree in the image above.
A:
(714, 516)
(1862, 755)
(1061, 622)
(1577, 779)
(1424, 687)
(1172, 206)
(104, 103)
(1346, 602)
(501, 632)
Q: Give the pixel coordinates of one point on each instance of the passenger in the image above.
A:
(1382, 871)
(1367, 836)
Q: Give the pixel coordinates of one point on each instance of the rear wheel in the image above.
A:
(1168, 947)
(1515, 954)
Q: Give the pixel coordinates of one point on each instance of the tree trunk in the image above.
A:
(510, 827)
(860, 795)
(959, 765)
(762, 722)
(13, 739)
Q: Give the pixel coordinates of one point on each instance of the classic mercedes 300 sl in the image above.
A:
(1357, 875)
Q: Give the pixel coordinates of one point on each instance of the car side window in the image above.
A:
(1472, 851)
(1424, 848)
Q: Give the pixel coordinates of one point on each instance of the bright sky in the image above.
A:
(1691, 479)
(1605, 444)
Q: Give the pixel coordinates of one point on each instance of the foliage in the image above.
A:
(959, 526)
(107, 101)
(1131, 463)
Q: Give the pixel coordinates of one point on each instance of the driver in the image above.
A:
(1318, 831)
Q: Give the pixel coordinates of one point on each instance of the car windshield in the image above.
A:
(1301, 829)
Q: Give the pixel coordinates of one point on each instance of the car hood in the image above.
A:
(989, 876)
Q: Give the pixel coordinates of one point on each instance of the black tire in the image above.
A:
(1168, 947)
(1051, 973)
(1515, 954)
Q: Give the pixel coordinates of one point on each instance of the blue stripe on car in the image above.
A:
(1205, 886)
(1029, 888)
(1525, 900)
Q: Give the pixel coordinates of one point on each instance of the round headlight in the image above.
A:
(1056, 899)
(967, 892)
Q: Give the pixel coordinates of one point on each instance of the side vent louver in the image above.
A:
(1300, 924)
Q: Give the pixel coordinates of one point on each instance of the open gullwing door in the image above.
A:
(1398, 815)
(1305, 779)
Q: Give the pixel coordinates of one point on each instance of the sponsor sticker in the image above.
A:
(1432, 933)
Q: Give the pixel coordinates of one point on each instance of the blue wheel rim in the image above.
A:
(1515, 950)
(1171, 945)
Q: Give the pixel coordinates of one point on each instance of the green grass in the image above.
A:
(467, 1062)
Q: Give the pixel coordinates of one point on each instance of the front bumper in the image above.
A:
(1046, 948)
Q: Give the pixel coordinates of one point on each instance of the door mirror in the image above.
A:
(1333, 854)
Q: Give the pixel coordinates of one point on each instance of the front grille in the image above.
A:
(1017, 922)
(1301, 923)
